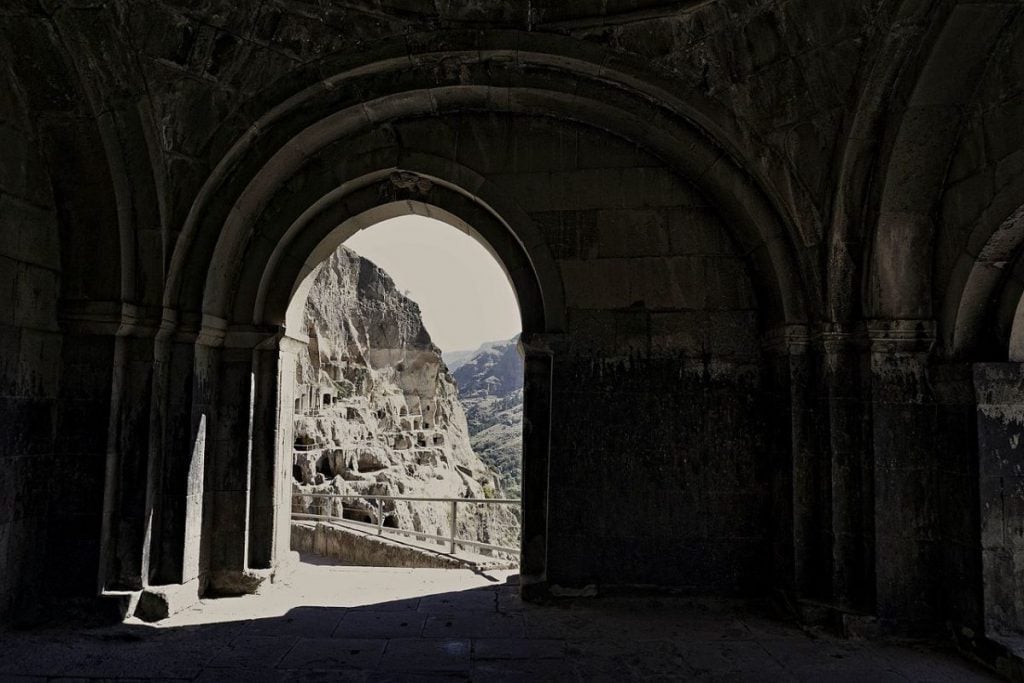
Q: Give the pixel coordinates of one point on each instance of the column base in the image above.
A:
(159, 602)
(231, 582)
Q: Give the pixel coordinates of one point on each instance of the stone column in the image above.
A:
(270, 507)
(808, 464)
(538, 357)
(177, 452)
(851, 468)
(199, 476)
(908, 546)
(114, 390)
(786, 351)
(1000, 394)
(129, 454)
(226, 518)
(203, 431)
(180, 419)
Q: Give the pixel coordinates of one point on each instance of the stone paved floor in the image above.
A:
(356, 624)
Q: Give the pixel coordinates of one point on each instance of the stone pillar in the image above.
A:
(538, 357)
(178, 449)
(1000, 394)
(202, 430)
(270, 507)
(907, 530)
(114, 391)
(200, 480)
(129, 441)
(809, 467)
(851, 468)
(285, 407)
(228, 468)
(786, 352)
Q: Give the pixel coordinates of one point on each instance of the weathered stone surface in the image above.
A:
(352, 547)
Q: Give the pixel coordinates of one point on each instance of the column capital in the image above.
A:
(109, 318)
(838, 337)
(786, 339)
(902, 335)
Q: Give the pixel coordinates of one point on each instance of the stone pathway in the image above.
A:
(329, 623)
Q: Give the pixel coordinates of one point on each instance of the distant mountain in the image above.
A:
(490, 382)
(494, 369)
(455, 359)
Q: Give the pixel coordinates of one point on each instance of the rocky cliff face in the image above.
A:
(490, 382)
(376, 412)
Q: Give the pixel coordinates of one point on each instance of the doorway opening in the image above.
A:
(412, 456)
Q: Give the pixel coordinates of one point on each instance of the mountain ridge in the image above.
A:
(490, 386)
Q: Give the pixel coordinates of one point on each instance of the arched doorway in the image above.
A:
(414, 457)
(264, 353)
(260, 222)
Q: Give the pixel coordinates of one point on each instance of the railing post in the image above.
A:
(452, 537)
(380, 517)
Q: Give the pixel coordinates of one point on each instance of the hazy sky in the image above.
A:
(463, 293)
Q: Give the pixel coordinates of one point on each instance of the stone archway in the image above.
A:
(328, 155)
(243, 467)
(286, 282)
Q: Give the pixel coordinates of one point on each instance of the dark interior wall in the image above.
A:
(696, 511)
(30, 351)
(957, 481)
(659, 469)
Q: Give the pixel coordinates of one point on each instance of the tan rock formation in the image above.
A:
(376, 412)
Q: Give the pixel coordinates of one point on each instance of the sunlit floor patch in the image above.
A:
(319, 583)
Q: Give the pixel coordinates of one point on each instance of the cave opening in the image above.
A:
(357, 515)
(323, 466)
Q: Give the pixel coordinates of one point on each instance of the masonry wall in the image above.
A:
(30, 355)
(659, 453)
(660, 469)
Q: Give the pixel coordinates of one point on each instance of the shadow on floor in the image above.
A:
(479, 634)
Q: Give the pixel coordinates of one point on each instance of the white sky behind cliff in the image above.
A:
(464, 296)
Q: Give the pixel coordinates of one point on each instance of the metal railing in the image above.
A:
(452, 539)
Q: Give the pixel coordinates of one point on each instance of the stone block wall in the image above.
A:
(666, 482)
(659, 466)
(660, 454)
(30, 355)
